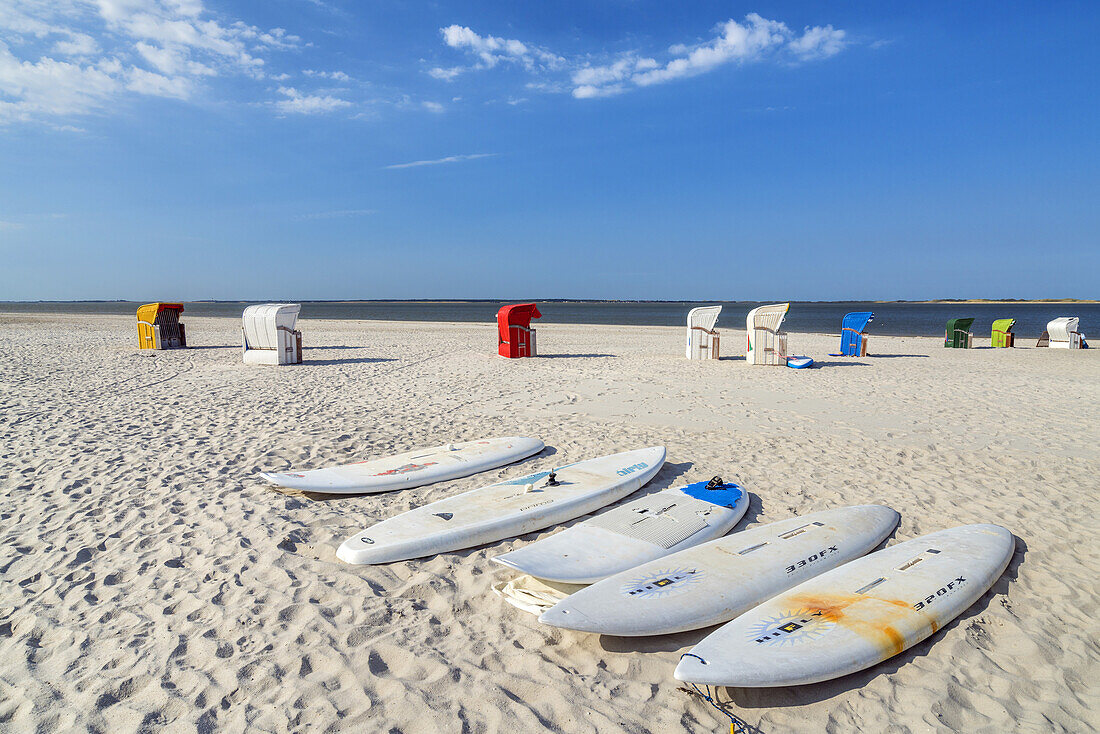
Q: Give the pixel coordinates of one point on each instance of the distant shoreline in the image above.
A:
(577, 300)
(992, 301)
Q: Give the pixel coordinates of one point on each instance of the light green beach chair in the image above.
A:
(1002, 335)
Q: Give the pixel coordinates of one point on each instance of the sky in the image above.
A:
(621, 149)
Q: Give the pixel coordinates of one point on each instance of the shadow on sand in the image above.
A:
(839, 364)
(309, 348)
(888, 356)
(360, 360)
(571, 356)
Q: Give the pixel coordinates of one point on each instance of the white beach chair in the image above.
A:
(269, 335)
(1063, 333)
(766, 344)
(702, 339)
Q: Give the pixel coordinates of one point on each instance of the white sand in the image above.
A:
(149, 579)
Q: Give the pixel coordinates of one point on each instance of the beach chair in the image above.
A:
(958, 334)
(853, 342)
(515, 337)
(1063, 333)
(269, 335)
(702, 339)
(159, 326)
(766, 344)
(1002, 335)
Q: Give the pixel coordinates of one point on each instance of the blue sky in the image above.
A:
(324, 149)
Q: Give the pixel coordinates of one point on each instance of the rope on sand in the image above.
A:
(737, 726)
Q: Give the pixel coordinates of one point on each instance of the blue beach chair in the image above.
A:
(852, 341)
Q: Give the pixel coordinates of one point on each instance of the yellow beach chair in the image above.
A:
(159, 326)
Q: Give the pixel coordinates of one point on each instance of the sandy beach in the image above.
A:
(150, 580)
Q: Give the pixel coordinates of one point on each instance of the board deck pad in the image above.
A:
(639, 531)
(656, 519)
(505, 509)
(856, 615)
(412, 468)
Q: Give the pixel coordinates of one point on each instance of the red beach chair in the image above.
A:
(515, 337)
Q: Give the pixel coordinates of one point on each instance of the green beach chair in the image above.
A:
(958, 334)
(1002, 335)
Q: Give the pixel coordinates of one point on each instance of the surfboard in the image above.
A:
(623, 537)
(505, 509)
(716, 581)
(800, 363)
(854, 616)
(413, 468)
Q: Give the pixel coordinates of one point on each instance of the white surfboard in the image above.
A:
(854, 616)
(413, 468)
(623, 537)
(505, 509)
(716, 581)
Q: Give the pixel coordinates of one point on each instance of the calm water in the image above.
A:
(894, 319)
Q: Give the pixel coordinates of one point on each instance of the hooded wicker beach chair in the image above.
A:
(853, 342)
(269, 334)
(1002, 335)
(766, 344)
(1063, 333)
(159, 326)
(702, 339)
(515, 337)
(958, 334)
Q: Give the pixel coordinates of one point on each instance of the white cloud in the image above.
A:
(173, 61)
(548, 87)
(621, 69)
(818, 43)
(338, 76)
(9, 225)
(603, 81)
(432, 107)
(589, 91)
(736, 42)
(446, 74)
(307, 104)
(753, 39)
(77, 44)
(104, 49)
(491, 50)
(48, 88)
(159, 85)
(437, 161)
(329, 8)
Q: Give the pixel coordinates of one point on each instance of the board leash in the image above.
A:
(737, 726)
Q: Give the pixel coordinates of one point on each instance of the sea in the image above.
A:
(824, 317)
